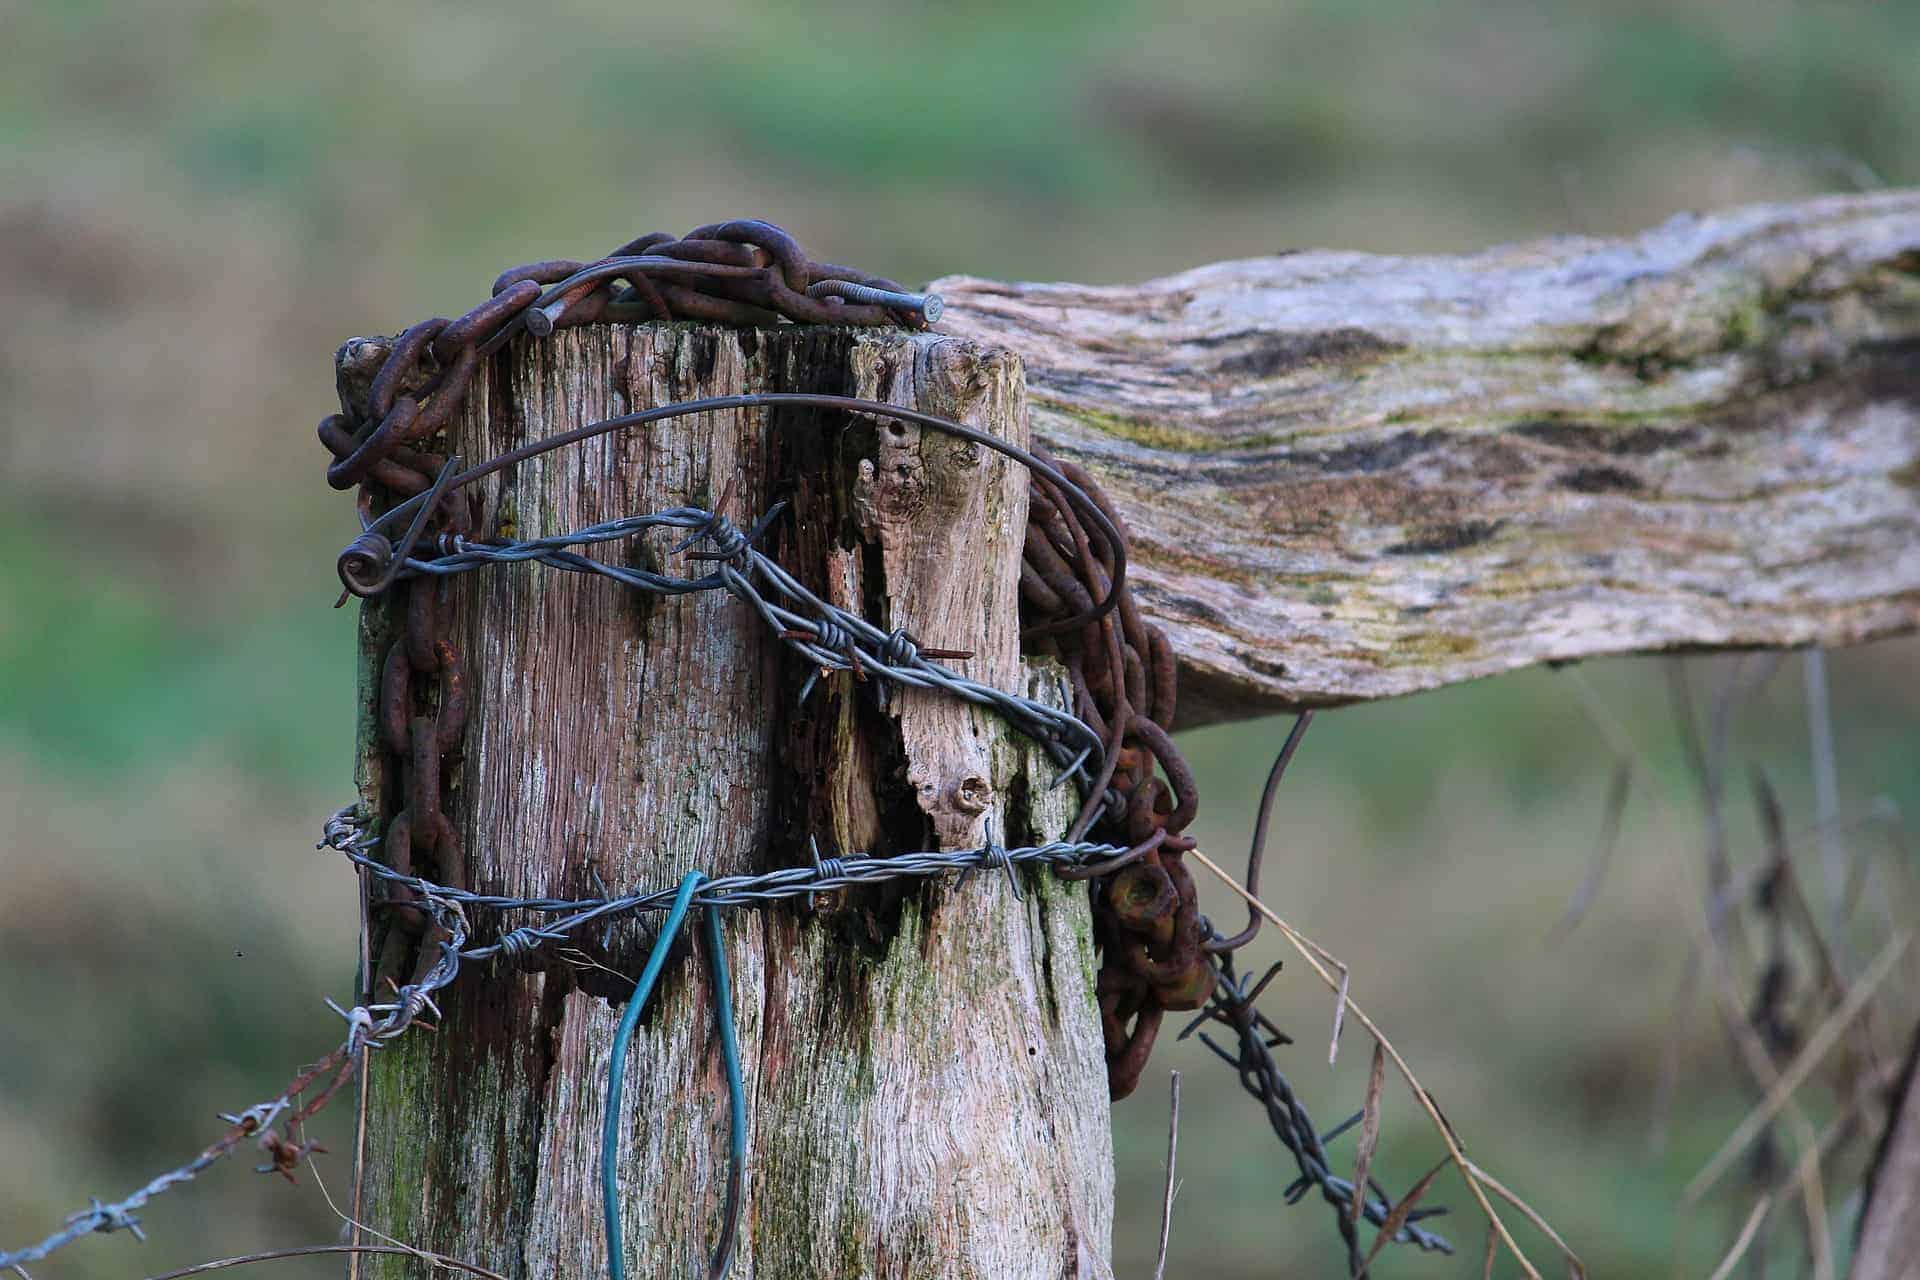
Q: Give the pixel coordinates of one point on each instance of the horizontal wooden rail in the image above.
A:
(1352, 476)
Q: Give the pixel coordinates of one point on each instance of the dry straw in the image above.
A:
(1324, 964)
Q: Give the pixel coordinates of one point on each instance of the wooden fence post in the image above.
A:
(924, 1068)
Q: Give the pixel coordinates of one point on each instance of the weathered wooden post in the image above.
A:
(927, 1091)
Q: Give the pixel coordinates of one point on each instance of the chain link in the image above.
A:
(740, 272)
(1156, 947)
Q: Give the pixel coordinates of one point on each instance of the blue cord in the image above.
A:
(616, 1073)
(736, 1087)
(736, 1094)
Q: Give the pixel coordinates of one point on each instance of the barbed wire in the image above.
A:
(371, 1026)
(828, 637)
(834, 639)
(1232, 1006)
(347, 833)
(278, 1122)
(1079, 609)
(831, 639)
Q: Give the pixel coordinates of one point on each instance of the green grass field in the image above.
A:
(202, 200)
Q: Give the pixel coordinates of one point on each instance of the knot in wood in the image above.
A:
(972, 794)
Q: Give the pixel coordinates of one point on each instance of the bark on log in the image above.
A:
(1352, 476)
(927, 1091)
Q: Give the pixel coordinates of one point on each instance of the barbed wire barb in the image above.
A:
(1159, 953)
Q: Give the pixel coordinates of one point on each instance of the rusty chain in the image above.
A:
(1146, 910)
(1157, 950)
(423, 716)
(743, 272)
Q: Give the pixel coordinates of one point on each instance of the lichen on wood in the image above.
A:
(927, 1092)
(1352, 476)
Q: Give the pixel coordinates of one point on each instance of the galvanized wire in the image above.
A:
(348, 833)
(828, 637)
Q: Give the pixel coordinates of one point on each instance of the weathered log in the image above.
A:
(1351, 476)
(924, 1063)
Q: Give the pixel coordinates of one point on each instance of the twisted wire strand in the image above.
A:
(348, 835)
(818, 630)
(831, 639)
(369, 1027)
(1231, 1006)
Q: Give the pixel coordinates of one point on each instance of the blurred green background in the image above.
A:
(202, 199)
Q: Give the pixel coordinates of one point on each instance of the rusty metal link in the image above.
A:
(422, 718)
(1155, 945)
(740, 272)
(1158, 953)
(745, 272)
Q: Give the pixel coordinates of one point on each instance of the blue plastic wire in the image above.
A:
(616, 1075)
(736, 1094)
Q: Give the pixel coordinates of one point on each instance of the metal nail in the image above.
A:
(928, 306)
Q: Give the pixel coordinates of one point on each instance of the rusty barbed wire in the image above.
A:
(1140, 906)
(1159, 953)
(277, 1124)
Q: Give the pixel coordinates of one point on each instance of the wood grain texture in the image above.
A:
(1351, 476)
(927, 1092)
